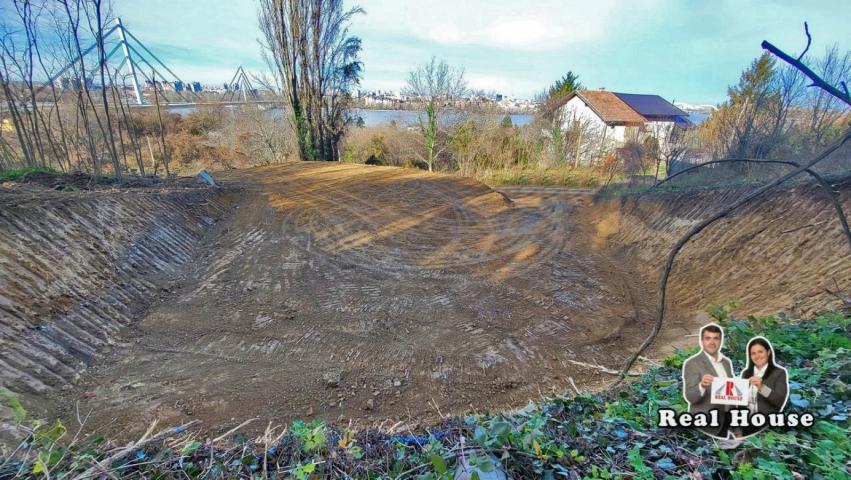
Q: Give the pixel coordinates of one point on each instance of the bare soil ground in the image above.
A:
(370, 294)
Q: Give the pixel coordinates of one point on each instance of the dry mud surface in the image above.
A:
(374, 295)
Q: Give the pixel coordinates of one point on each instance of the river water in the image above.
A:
(372, 118)
(406, 118)
(409, 117)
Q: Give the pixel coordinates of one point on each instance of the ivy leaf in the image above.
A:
(438, 463)
(798, 401)
(191, 447)
(39, 467)
(665, 464)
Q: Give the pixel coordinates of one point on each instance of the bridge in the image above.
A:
(134, 55)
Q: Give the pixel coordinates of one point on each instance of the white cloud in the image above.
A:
(543, 25)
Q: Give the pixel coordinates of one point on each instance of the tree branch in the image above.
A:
(809, 41)
(817, 81)
(666, 271)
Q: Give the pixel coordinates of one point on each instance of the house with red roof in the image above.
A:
(612, 118)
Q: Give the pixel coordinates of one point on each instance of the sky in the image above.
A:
(686, 50)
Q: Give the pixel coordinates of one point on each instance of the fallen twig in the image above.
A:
(224, 435)
(103, 466)
(573, 384)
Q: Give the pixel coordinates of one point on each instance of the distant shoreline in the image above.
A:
(407, 106)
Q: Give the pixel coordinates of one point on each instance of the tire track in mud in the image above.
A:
(371, 294)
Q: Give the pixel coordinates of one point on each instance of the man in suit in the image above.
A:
(699, 371)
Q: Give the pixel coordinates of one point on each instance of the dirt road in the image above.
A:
(374, 294)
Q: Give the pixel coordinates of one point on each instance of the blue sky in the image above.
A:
(683, 50)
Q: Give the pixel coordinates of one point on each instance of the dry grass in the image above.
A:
(382, 145)
(485, 150)
(580, 177)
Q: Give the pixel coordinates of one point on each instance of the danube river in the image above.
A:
(409, 117)
(372, 118)
(406, 118)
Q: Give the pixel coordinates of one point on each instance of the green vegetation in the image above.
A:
(17, 174)
(433, 84)
(580, 177)
(554, 97)
(590, 436)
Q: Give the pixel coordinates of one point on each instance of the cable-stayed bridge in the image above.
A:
(139, 64)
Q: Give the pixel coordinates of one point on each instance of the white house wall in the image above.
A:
(576, 110)
(660, 129)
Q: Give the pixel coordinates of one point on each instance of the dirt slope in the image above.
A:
(786, 253)
(351, 292)
(371, 294)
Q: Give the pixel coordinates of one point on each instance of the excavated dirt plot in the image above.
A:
(371, 294)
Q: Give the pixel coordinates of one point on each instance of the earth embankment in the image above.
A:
(784, 252)
(370, 294)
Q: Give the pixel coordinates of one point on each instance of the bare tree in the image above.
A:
(437, 86)
(39, 36)
(95, 15)
(823, 110)
(756, 194)
(308, 46)
(584, 139)
(163, 145)
(672, 147)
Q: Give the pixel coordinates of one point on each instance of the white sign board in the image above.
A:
(730, 391)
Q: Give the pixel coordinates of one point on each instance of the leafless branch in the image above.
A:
(817, 81)
(666, 271)
(809, 41)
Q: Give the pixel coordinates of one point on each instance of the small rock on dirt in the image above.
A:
(332, 378)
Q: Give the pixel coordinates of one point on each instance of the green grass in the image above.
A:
(17, 174)
(606, 436)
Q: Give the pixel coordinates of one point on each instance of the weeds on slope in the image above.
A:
(583, 437)
(16, 174)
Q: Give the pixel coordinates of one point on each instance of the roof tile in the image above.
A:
(609, 107)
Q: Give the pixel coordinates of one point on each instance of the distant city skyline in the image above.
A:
(685, 51)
